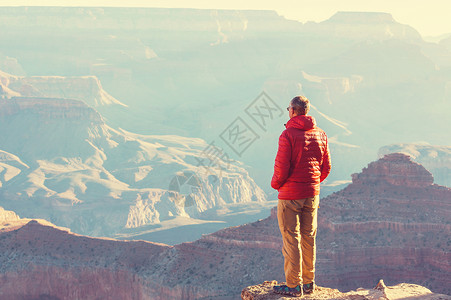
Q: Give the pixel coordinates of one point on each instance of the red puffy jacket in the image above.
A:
(302, 161)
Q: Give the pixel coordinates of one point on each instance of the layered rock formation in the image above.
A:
(436, 159)
(395, 169)
(393, 219)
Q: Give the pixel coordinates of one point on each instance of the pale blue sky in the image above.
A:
(429, 17)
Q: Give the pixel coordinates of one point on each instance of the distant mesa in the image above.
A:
(85, 88)
(54, 97)
(367, 26)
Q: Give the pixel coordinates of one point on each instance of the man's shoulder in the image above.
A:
(322, 134)
(296, 131)
(320, 130)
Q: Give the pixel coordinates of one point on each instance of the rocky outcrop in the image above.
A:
(392, 217)
(436, 159)
(380, 291)
(394, 169)
(393, 183)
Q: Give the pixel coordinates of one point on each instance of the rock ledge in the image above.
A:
(380, 292)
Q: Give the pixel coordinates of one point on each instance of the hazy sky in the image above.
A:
(429, 17)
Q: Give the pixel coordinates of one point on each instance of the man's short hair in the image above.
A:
(300, 104)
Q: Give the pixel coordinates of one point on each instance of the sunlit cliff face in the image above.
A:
(61, 154)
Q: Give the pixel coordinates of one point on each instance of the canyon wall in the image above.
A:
(59, 153)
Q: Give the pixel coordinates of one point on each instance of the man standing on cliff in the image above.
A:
(302, 162)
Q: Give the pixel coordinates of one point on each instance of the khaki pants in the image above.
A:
(298, 223)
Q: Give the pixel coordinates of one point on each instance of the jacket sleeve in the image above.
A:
(282, 163)
(326, 166)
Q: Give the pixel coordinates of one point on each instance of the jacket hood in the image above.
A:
(301, 122)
